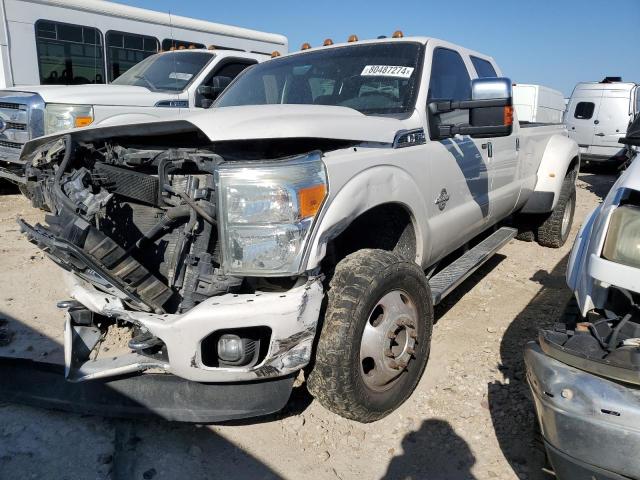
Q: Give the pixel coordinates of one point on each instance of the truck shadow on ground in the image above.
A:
(510, 403)
(598, 184)
(42, 443)
(8, 188)
(434, 452)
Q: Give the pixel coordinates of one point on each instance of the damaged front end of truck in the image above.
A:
(184, 257)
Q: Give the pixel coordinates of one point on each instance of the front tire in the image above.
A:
(374, 343)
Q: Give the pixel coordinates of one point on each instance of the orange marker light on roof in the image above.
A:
(172, 49)
(352, 38)
(397, 34)
(211, 47)
(191, 47)
(305, 46)
(310, 200)
(508, 115)
(327, 42)
(181, 47)
(275, 54)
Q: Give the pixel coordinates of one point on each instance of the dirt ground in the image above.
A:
(470, 418)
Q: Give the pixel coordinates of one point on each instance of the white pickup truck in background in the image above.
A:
(165, 85)
(310, 219)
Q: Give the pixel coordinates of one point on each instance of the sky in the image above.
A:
(556, 43)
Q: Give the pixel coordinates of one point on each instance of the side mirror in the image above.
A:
(490, 110)
(217, 86)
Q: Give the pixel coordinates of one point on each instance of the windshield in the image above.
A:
(379, 78)
(171, 71)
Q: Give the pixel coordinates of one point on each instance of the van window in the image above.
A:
(124, 50)
(584, 110)
(69, 54)
(484, 69)
(168, 44)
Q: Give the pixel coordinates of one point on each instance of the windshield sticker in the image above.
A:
(180, 76)
(387, 71)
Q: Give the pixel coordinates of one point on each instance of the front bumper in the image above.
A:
(586, 421)
(292, 317)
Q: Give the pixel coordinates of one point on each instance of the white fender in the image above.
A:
(557, 157)
(370, 188)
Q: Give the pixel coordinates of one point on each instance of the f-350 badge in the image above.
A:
(442, 199)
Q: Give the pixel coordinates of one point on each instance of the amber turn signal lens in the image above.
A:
(305, 46)
(327, 42)
(397, 34)
(508, 115)
(310, 199)
(353, 38)
(82, 121)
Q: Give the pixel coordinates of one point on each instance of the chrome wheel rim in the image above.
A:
(388, 340)
(566, 218)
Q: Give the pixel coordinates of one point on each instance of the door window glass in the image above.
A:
(124, 50)
(69, 54)
(584, 110)
(484, 69)
(450, 80)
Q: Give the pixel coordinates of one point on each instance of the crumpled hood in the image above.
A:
(116, 95)
(256, 122)
(294, 121)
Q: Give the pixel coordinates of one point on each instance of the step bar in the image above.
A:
(445, 281)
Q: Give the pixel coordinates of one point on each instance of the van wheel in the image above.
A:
(555, 229)
(374, 343)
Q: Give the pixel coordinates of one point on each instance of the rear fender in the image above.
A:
(558, 158)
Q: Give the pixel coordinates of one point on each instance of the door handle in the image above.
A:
(600, 135)
(597, 122)
(489, 148)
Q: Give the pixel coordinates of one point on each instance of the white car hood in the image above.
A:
(294, 121)
(114, 95)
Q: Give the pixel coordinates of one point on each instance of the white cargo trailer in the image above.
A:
(538, 104)
(70, 42)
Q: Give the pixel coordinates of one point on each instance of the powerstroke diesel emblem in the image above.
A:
(442, 199)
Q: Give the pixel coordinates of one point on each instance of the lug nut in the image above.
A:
(413, 334)
(388, 353)
(411, 351)
(392, 335)
(394, 365)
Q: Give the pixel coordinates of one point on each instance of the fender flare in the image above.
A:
(368, 189)
(558, 156)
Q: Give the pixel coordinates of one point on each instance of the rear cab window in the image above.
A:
(483, 67)
(584, 110)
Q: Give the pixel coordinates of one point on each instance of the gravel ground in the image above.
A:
(470, 418)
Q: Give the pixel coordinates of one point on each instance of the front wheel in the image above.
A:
(374, 343)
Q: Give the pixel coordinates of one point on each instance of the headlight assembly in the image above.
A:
(59, 117)
(622, 244)
(266, 213)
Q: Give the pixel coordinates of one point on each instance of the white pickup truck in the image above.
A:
(165, 85)
(311, 219)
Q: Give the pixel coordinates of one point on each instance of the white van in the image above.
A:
(538, 104)
(598, 116)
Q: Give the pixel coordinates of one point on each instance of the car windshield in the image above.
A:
(171, 71)
(379, 78)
